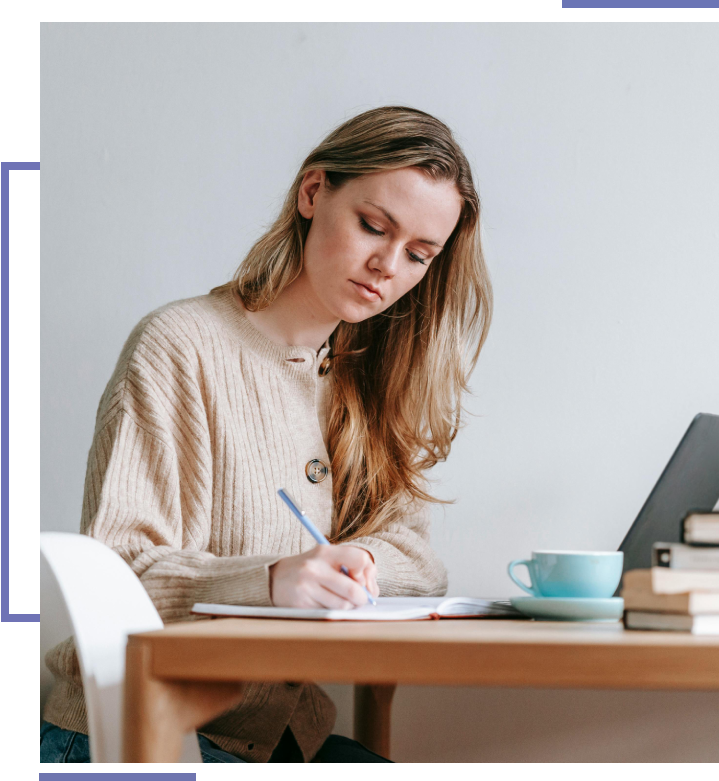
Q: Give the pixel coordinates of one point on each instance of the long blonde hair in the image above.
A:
(399, 375)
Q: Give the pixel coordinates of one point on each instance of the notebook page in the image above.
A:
(473, 606)
(452, 606)
(382, 612)
(387, 609)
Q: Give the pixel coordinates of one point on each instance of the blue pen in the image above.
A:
(317, 534)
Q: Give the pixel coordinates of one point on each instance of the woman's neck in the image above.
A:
(280, 325)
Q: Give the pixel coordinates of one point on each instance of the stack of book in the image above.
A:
(681, 590)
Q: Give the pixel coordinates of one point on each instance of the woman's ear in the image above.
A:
(306, 201)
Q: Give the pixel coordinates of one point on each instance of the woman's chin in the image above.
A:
(356, 314)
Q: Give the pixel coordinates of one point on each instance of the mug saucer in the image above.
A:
(570, 608)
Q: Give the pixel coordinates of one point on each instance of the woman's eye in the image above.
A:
(376, 232)
(369, 228)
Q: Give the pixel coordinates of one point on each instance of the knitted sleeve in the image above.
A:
(148, 485)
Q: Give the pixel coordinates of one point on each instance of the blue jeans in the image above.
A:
(62, 745)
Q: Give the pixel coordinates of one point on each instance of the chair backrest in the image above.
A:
(55, 626)
(106, 602)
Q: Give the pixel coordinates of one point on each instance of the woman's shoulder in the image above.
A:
(164, 357)
(180, 315)
(184, 327)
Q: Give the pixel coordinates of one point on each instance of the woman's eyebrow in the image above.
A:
(395, 224)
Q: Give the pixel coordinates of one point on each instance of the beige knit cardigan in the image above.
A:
(203, 419)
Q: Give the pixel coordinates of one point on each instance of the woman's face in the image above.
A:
(380, 230)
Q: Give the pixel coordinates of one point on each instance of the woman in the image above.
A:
(332, 365)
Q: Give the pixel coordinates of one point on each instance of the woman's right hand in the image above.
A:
(314, 579)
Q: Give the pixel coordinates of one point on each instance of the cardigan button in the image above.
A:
(316, 471)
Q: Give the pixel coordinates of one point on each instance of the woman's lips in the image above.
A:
(365, 292)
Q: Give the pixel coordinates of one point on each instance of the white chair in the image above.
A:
(106, 602)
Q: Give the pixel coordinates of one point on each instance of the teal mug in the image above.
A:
(570, 573)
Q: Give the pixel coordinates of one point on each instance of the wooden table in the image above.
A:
(180, 677)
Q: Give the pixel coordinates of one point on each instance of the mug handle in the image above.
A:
(512, 564)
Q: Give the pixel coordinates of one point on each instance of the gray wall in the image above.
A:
(167, 148)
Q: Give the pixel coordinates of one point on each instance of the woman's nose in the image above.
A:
(388, 259)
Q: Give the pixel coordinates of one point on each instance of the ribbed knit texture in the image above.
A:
(203, 419)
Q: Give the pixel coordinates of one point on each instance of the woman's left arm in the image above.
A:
(406, 565)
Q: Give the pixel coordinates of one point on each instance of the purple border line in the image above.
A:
(640, 4)
(5, 614)
(117, 776)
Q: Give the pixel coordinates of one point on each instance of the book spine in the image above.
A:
(637, 580)
(678, 556)
(701, 625)
(660, 603)
(690, 538)
(693, 603)
(636, 619)
(688, 535)
(677, 581)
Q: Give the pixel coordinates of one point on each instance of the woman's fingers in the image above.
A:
(371, 584)
(328, 599)
(368, 577)
(361, 566)
(294, 579)
(343, 586)
(364, 569)
(357, 560)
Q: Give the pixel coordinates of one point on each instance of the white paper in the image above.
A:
(387, 609)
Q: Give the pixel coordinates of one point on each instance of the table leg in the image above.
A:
(373, 715)
(158, 713)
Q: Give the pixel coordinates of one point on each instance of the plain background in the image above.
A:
(167, 149)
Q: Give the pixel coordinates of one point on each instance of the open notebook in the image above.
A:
(388, 609)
